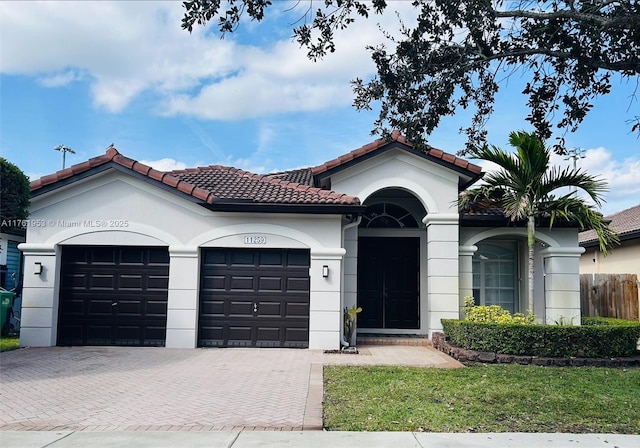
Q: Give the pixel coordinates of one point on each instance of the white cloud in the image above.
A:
(166, 164)
(60, 79)
(126, 48)
(623, 178)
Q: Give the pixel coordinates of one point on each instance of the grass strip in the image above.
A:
(486, 398)
(9, 343)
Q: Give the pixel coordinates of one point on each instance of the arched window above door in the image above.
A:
(386, 215)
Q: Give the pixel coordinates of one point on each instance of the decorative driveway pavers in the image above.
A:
(146, 389)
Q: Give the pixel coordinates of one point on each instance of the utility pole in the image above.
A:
(64, 149)
(575, 154)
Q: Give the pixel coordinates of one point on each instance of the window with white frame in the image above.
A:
(495, 280)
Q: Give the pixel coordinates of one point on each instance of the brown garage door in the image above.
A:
(254, 298)
(113, 296)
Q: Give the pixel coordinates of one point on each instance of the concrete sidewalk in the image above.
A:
(307, 439)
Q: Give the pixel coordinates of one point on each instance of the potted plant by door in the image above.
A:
(350, 316)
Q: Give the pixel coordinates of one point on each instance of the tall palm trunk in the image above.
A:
(531, 240)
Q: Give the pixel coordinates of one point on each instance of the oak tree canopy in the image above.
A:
(458, 52)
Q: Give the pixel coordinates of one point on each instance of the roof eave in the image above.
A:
(472, 177)
(223, 205)
(110, 165)
(623, 237)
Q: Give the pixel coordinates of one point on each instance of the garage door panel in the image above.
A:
(297, 284)
(131, 281)
(211, 308)
(156, 308)
(99, 255)
(270, 284)
(254, 297)
(102, 281)
(294, 309)
(298, 258)
(239, 333)
(213, 283)
(270, 309)
(240, 309)
(121, 301)
(242, 258)
(98, 308)
(270, 258)
(240, 283)
(268, 334)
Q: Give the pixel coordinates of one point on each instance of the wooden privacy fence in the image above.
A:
(609, 295)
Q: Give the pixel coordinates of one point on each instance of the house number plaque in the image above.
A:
(255, 240)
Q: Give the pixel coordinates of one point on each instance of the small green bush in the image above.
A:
(593, 340)
(494, 314)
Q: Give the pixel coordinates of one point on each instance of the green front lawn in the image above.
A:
(487, 398)
(9, 343)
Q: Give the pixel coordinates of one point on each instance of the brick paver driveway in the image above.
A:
(138, 389)
(120, 388)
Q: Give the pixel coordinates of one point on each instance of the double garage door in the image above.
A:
(248, 297)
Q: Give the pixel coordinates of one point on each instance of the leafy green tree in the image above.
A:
(526, 189)
(14, 194)
(459, 51)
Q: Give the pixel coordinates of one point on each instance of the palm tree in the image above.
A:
(524, 188)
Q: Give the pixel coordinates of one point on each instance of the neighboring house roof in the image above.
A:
(216, 187)
(469, 170)
(625, 222)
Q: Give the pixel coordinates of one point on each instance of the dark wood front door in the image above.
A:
(254, 298)
(388, 282)
(113, 296)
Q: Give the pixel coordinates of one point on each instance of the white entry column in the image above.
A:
(562, 284)
(182, 305)
(325, 313)
(442, 268)
(39, 319)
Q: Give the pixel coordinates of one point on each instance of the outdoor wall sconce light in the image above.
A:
(325, 271)
(38, 269)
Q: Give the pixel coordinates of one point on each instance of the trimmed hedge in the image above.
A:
(594, 339)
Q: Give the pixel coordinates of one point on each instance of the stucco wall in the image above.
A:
(435, 186)
(624, 259)
(114, 208)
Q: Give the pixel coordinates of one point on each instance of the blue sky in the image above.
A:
(88, 74)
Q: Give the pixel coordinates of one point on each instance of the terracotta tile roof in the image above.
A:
(625, 222)
(474, 170)
(302, 176)
(112, 155)
(216, 184)
(226, 183)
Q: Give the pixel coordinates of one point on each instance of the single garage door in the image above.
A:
(254, 298)
(113, 296)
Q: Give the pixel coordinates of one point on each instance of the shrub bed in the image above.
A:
(440, 342)
(597, 338)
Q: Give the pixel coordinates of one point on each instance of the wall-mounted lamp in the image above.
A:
(325, 271)
(38, 268)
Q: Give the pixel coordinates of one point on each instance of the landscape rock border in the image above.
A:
(440, 342)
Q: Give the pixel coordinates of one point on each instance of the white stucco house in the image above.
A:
(118, 253)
